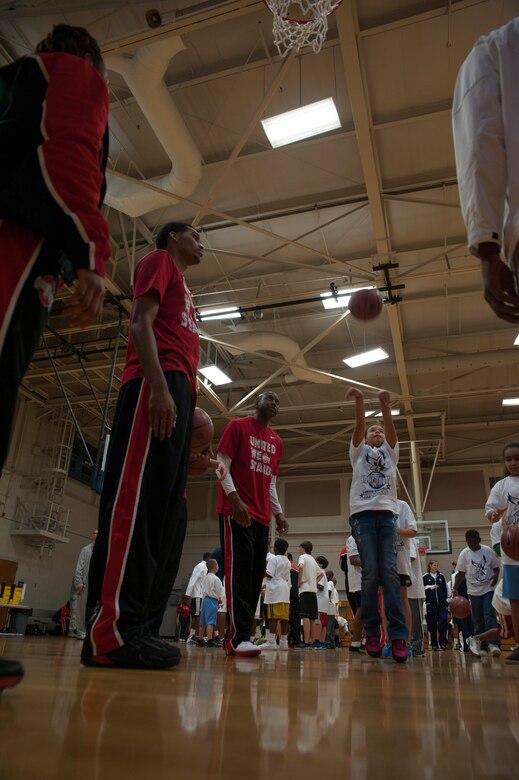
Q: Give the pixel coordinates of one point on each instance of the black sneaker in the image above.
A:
(513, 658)
(355, 649)
(138, 652)
(11, 673)
(200, 643)
(212, 643)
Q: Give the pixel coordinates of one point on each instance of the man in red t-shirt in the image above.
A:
(247, 498)
(142, 518)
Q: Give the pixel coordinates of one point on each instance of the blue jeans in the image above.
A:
(484, 616)
(375, 535)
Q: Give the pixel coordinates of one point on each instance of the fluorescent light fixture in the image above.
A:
(394, 412)
(342, 299)
(227, 313)
(516, 342)
(510, 401)
(304, 122)
(366, 357)
(215, 375)
(370, 413)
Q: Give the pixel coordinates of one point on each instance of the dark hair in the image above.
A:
(161, 242)
(281, 546)
(307, 547)
(72, 40)
(329, 574)
(322, 561)
(206, 556)
(472, 533)
(290, 556)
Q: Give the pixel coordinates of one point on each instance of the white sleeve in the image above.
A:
(79, 576)
(193, 579)
(479, 143)
(274, 500)
(495, 499)
(227, 483)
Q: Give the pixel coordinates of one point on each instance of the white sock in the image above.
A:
(355, 644)
(283, 642)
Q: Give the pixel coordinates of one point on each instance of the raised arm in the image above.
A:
(360, 416)
(389, 426)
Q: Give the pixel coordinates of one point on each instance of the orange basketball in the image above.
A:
(460, 607)
(203, 431)
(365, 304)
(195, 469)
(510, 541)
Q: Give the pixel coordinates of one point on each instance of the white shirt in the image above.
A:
(373, 485)
(323, 596)
(212, 586)
(404, 549)
(333, 605)
(354, 572)
(505, 493)
(277, 588)
(194, 586)
(83, 566)
(478, 566)
(310, 572)
(416, 590)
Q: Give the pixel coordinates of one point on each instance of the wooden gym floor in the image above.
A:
(301, 714)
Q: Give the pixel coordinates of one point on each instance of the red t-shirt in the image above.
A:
(175, 328)
(255, 451)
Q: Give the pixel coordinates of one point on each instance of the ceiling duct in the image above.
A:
(273, 342)
(144, 75)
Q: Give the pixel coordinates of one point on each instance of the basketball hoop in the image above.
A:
(294, 33)
(422, 551)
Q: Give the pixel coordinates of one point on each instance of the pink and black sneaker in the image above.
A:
(399, 650)
(374, 646)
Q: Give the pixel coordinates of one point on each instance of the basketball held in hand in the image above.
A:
(510, 541)
(198, 465)
(460, 607)
(365, 304)
(203, 431)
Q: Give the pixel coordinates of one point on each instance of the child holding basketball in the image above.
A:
(373, 511)
(503, 505)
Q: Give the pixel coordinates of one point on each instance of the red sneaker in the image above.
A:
(399, 650)
(374, 646)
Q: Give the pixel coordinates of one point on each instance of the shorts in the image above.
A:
(195, 606)
(308, 605)
(405, 580)
(323, 618)
(511, 582)
(279, 611)
(208, 612)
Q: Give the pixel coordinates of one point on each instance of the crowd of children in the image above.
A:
(299, 604)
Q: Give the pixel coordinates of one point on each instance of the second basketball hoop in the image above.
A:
(308, 29)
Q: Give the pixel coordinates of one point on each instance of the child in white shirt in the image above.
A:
(277, 595)
(212, 589)
(309, 574)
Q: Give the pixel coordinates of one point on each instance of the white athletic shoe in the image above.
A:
(475, 646)
(268, 646)
(245, 649)
(494, 651)
(283, 646)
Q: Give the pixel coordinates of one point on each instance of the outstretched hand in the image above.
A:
(498, 284)
(353, 393)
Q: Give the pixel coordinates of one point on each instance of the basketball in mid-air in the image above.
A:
(203, 431)
(510, 541)
(365, 304)
(459, 607)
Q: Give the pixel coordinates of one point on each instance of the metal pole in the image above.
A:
(415, 468)
(74, 418)
(107, 403)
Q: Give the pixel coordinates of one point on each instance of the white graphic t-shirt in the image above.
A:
(405, 549)
(478, 566)
(277, 587)
(354, 572)
(373, 485)
(505, 493)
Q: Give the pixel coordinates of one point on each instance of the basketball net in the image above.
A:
(423, 551)
(291, 33)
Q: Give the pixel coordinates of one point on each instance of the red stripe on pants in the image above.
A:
(104, 635)
(228, 571)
